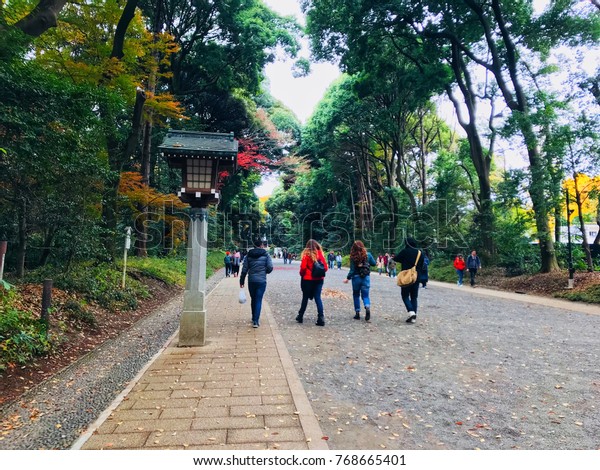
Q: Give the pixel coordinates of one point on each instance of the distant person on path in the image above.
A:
(360, 275)
(459, 265)
(227, 261)
(331, 259)
(311, 282)
(473, 264)
(424, 273)
(284, 255)
(407, 258)
(392, 267)
(380, 264)
(257, 265)
(237, 258)
(338, 260)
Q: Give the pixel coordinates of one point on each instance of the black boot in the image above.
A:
(367, 314)
(320, 320)
(357, 316)
(299, 318)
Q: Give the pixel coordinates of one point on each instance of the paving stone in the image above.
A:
(237, 436)
(229, 422)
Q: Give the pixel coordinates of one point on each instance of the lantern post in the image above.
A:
(202, 157)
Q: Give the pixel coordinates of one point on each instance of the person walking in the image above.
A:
(424, 273)
(235, 265)
(408, 257)
(360, 275)
(459, 265)
(379, 264)
(312, 271)
(392, 268)
(331, 259)
(227, 261)
(338, 260)
(473, 264)
(257, 264)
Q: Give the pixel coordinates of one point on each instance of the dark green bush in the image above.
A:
(590, 295)
(22, 337)
(78, 312)
(100, 283)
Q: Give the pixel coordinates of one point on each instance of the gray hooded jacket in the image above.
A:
(256, 266)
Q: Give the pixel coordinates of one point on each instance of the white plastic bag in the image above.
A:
(242, 296)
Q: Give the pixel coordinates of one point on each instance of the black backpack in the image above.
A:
(318, 270)
(364, 270)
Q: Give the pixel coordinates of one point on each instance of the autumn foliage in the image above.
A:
(251, 158)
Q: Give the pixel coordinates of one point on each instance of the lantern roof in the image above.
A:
(181, 144)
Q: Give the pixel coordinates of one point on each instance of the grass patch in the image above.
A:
(169, 270)
(590, 295)
(173, 270)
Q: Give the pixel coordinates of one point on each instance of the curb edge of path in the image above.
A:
(308, 420)
(78, 444)
(590, 309)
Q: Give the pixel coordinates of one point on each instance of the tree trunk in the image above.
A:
(584, 242)
(481, 162)
(43, 17)
(597, 239)
(516, 100)
(47, 246)
(22, 246)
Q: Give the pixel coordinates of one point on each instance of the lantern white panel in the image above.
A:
(199, 174)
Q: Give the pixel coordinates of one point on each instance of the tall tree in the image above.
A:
(495, 35)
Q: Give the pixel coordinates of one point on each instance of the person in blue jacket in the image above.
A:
(257, 265)
(360, 275)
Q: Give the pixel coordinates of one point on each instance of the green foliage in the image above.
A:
(590, 295)
(172, 270)
(98, 282)
(169, 270)
(77, 311)
(516, 253)
(214, 262)
(442, 270)
(22, 337)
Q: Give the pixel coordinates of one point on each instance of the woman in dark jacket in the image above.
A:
(408, 258)
(311, 282)
(257, 265)
(360, 275)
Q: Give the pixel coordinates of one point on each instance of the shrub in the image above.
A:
(100, 283)
(442, 270)
(590, 295)
(78, 312)
(22, 337)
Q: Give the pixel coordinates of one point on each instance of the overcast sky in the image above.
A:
(301, 95)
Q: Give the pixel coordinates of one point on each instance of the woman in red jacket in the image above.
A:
(459, 265)
(312, 270)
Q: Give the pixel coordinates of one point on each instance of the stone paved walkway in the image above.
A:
(239, 391)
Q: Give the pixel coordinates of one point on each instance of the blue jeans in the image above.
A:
(460, 273)
(409, 297)
(257, 291)
(310, 290)
(360, 288)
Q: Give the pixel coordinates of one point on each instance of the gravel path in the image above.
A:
(473, 372)
(54, 414)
